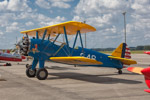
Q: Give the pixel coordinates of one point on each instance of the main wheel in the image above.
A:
(30, 72)
(42, 74)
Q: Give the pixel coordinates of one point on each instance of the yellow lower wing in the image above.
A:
(124, 60)
(76, 60)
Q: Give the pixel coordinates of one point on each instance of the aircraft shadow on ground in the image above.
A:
(92, 78)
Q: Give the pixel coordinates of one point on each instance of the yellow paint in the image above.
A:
(118, 51)
(71, 28)
(137, 70)
(76, 60)
(124, 60)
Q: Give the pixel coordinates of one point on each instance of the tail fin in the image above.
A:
(122, 51)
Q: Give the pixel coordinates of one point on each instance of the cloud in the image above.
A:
(1, 33)
(47, 4)
(61, 4)
(106, 16)
(3, 4)
(16, 16)
(14, 5)
(13, 27)
(29, 23)
(43, 4)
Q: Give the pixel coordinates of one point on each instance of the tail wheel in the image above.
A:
(30, 72)
(119, 71)
(42, 74)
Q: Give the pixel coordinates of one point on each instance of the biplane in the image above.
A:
(42, 48)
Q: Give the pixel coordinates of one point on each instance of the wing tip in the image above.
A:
(147, 90)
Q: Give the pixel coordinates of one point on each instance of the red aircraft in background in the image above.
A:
(145, 72)
(7, 56)
(147, 52)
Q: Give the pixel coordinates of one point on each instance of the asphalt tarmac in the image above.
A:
(66, 82)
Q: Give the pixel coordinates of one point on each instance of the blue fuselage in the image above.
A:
(46, 49)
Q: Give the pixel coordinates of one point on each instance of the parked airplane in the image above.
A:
(147, 52)
(7, 56)
(145, 72)
(42, 49)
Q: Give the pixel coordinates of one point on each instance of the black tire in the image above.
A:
(27, 65)
(9, 64)
(120, 71)
(30, 72)
(42, 74)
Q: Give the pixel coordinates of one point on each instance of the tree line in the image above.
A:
(146, 47)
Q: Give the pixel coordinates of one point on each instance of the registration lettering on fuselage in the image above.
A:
(88, 56)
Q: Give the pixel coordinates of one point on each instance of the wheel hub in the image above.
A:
(42, 74)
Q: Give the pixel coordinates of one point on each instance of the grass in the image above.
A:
(132, 52)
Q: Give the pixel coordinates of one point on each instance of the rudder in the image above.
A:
(120, 51)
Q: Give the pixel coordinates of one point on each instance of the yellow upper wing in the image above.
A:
(124, 60)
(71, 28)
(76, 60)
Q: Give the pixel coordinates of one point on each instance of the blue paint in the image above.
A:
(45, 54)
(37, 36)
(48, 37)
(56, 38)
(74, 43)
(44, 34)
(66, 39)
(123, 50)
(34, 63)
(81, 41)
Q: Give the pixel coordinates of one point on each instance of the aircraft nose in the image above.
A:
(146, 72)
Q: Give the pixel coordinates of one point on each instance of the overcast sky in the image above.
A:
(105, 15)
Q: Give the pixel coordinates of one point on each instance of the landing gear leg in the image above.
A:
(42, 72)
(119, 71)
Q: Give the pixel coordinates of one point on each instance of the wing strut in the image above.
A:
(74, 43)
(44, 35)
(48, 36)
(81, 41)
(37, 36)
(78, 33)
(66, 39)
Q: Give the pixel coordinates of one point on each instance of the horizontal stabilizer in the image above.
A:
(135, 69)
(124, 60)
(76, 60)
